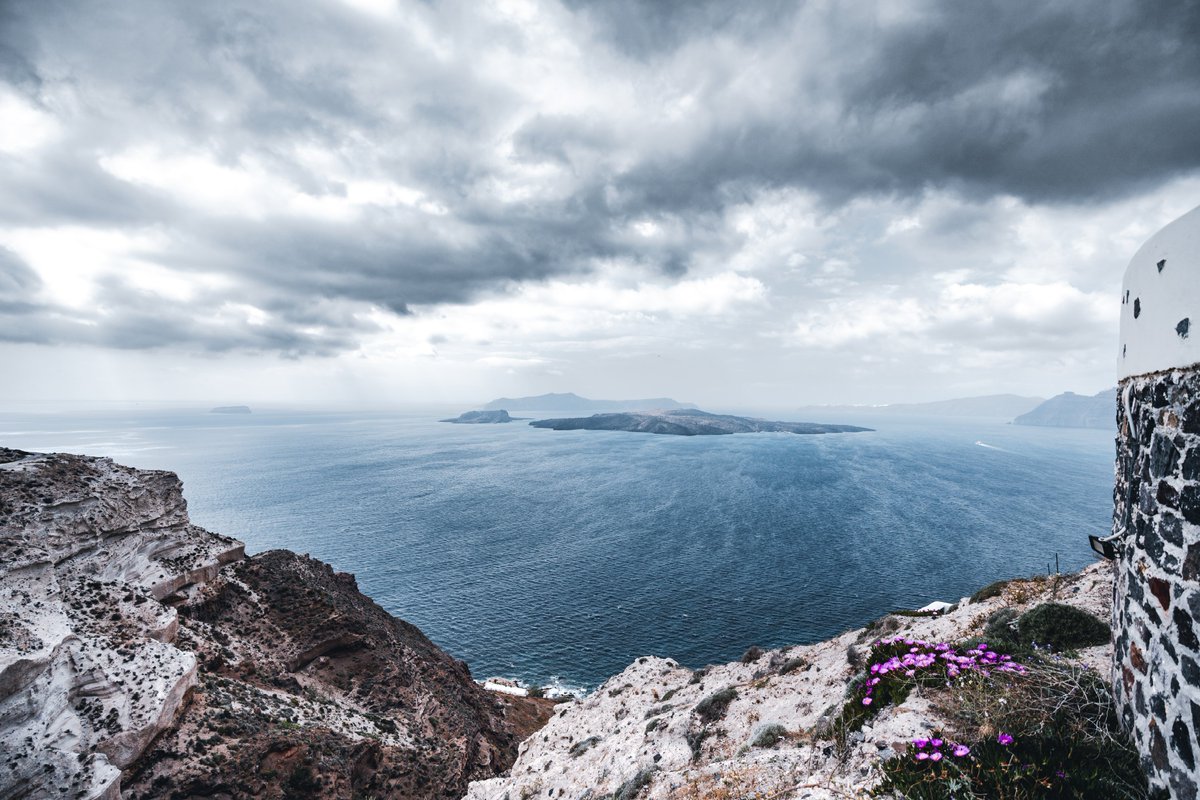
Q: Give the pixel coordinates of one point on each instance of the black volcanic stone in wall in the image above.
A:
(1168, 646)
(1158, 706)
(1191, 563)
(1189, 504)
(1191, 417)
(1167, 495)
(1164, 456)
(1150, 541)
(1181, 743)
(1186, 633)
(1162, 394)
(1170, 527)
(1158, 750)
(1195, 717)
(1191, 671)
(1139, 699)
(1191, 465)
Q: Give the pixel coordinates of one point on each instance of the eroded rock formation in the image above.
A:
(143, 656)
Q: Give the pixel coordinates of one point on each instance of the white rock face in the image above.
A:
(1160, 301)
(642, 734)
(88, 674)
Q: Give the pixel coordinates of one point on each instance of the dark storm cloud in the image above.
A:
(1051, 102)
(650, 30)
(1048, 102)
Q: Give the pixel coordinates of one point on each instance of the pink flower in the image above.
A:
(961, 750)
(1004, 738)
(921, 756)
(919, 743)
(935, 756)
(936, 742)
(866, 701)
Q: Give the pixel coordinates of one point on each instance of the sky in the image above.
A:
(377, 202)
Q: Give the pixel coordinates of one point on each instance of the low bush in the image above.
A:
(753, 654)
(630, 788)
(988, 592)
(768, 735)
(713, 707)
(793, 664)
(1062, 627)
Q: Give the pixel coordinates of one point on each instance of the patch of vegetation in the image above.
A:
(1062, 627)
(652, 725)
(754, 653)
(988, 592)
(582, 746)
(695, 740)
(713, 707)
(1050, 732)
(769, 735)
(793, 664)
(899, 664)
(670, 693)
(630, 788)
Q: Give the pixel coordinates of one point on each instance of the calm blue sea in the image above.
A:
(560, 556)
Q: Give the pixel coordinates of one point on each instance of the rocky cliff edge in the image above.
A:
(143, 656)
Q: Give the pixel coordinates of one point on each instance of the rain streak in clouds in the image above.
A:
(807, 202)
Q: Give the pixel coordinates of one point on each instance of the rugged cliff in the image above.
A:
(766, 726)
(143, 656)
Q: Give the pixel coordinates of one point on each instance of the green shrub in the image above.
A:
(630, 788)
(713, 707)
(753, 654)
(1001, 627)
(793, 664)
(768, 735)
(988, 592)
(1044, 766)
(582, 746)
(1062, 627)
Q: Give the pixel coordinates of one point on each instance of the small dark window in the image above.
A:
(1137, 307)
(1162, 262)
(1183, 326)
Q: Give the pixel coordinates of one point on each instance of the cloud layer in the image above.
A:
(517, 182)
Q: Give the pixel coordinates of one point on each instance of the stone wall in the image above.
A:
(1157, 593)
(1156, 508)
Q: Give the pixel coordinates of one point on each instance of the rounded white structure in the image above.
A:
(1160, 301)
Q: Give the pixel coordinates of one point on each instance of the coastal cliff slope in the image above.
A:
(761, 727)
(142, 656)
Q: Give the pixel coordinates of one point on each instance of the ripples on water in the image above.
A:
(563, 556)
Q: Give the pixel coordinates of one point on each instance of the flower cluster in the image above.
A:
(931, 749)
(920, 656)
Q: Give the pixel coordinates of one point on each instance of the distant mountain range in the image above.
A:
(1070, 410)
(1003, 406)
(569, 401)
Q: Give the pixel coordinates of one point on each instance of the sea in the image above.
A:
(558, 557)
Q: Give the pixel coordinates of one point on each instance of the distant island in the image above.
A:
(230, 410)
(1070, 410)
(687, 422)
(480, 417)
(568, 401)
